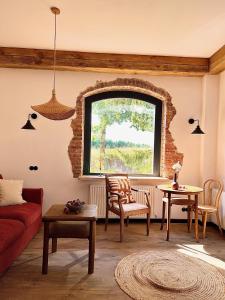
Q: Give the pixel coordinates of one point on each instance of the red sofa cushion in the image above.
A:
(27, 213)
(10, 231)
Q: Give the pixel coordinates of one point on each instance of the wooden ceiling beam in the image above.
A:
(103, 62)
(217, 61)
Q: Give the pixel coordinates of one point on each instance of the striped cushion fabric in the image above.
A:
(120, 185)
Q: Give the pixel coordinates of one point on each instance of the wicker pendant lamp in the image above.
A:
(53, 109)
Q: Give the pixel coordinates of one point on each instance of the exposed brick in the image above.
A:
(169, 155)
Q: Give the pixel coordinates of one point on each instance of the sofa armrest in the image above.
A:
(33, 195)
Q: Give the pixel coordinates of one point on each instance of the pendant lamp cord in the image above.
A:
(54, 57)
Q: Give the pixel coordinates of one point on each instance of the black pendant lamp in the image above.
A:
(197, 130)
(28, 124)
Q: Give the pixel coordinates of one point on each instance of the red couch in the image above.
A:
(18, 225)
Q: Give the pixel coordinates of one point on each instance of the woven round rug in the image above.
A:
(167, 275)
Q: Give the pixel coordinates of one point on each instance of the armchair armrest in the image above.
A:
(119, 200)
(139, 190)
(147, 194)
(33, 195)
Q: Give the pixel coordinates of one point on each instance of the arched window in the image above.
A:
(122, 133)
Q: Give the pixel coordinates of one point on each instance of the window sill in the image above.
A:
(134, 179)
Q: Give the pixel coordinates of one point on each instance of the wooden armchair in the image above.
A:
(119, 200)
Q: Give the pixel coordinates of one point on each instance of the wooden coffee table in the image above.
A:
(55, 214)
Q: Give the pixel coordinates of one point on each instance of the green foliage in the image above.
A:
(118, 110)
(116, 144)
(130, 160)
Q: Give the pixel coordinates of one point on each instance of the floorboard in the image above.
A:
(67, 275)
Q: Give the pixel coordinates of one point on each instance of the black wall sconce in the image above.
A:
(28, 124)
(197, 130)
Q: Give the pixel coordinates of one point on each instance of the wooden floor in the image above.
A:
(68, 278)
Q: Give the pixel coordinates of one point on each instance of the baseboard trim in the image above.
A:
(112, 221)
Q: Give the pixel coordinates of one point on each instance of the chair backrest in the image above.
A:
(118, 183)
(212, 192)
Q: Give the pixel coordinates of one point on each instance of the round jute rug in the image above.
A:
(169, 275)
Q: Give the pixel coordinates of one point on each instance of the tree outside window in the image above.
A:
(122, 133)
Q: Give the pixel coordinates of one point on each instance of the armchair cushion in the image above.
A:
(120, 185)
(130, 206)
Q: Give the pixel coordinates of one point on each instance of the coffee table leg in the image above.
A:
(168, 216)
(45, 248)
(91, 247)
(196, 218)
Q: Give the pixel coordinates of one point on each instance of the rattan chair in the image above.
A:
(119, 200)
(210, 202)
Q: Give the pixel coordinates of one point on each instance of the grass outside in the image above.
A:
(132, 160)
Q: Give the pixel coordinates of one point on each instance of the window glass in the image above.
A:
(121, 135)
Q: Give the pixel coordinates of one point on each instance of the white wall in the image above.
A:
(209, 124)
(221, 141)
(221, 130)
(47, 146)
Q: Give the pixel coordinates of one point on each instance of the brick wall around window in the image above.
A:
(169, 152)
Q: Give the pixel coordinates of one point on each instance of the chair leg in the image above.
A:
(218, 221)
(121, 228)
(148, 223)
(106, 218)
(163, 215)
(189, 218)
(204, 220)
(191, 214)
(54, 245)
(127, 221)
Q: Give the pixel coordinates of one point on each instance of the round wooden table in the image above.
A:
(186, 190)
